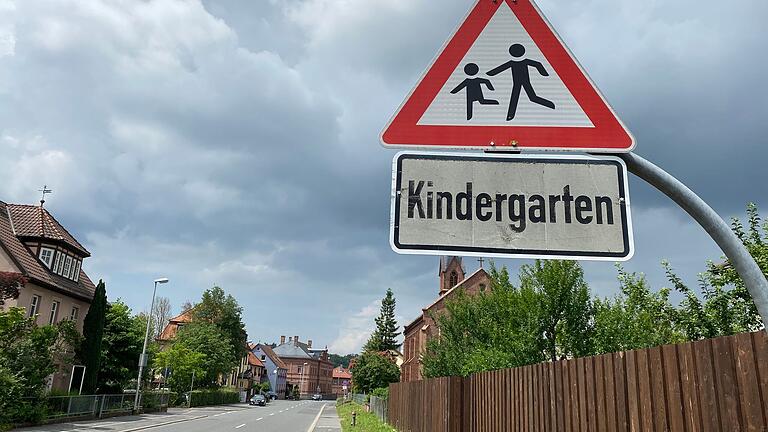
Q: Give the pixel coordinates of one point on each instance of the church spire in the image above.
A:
(451, 273)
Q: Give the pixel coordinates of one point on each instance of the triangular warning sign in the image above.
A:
(505, 79)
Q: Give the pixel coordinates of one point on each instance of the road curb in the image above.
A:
(164, 423)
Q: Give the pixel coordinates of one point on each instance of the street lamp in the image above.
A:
(143, 357)
(301, 386)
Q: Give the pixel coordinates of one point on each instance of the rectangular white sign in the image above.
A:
(512, 206)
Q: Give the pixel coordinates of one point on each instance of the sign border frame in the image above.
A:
(626, 214)
(504, 145)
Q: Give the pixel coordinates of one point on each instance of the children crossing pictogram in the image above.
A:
(474, 89)
(521, 79)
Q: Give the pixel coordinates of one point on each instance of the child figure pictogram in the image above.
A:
(474, 89)
(521, 79)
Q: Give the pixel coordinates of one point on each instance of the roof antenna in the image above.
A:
(44, 191)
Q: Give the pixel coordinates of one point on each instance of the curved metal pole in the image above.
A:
(734, 249)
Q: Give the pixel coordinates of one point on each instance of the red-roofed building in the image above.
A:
(35, 245)
(342, 381)
(173, 326)
(423, 328)
(249, 372)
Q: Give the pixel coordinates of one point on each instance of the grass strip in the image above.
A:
(366, 421)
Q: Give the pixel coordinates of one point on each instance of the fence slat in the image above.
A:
(710, 385)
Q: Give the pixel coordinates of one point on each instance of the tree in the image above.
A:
(28, 354)
(10, 283)
(182, 362)
(121, 347)
(723, 305)
(207, 339)
(384, 338)
(636, 318)
(93, 332)
(499, 328)
(222, 310)
(338, 360)
(565, 306)
(374, 370)
(161, 314)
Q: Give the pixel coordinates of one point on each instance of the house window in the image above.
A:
(34, 305)
(54, 312)
(482, 287)
(75, 313)
(67, 267)
(263, 357)
(46, 256)
(57, 263)
(76, 272)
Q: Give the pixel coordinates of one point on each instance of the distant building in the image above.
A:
(248, 373)
(423, 328)
(173, 326)
(35, 245)
(308, 368)
(342, 381)
(276, 370)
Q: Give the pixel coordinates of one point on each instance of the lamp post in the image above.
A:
(143, 357)
(301, 385)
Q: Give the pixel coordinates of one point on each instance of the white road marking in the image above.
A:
(271, 413)
(260, 418)
(314, 423)
(220, 414)
(238, 427)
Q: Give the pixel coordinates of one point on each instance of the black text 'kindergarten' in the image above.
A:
(518, 209)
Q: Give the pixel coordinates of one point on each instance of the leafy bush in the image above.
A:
(381, 392)
(214, 397)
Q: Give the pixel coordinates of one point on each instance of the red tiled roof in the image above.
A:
(31, 267)
(170, 330)
(253, 360)
(36, 221)
(340, 372)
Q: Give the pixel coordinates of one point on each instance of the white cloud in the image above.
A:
(355, 330)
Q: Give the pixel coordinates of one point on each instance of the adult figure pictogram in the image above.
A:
(521, 79)
(474, 89)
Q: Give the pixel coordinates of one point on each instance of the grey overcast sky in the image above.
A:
(234, 142)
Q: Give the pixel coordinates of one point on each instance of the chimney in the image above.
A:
(296, 341)
(282, 340)
(309, 343)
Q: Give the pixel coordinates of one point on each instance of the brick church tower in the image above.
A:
(451, 273)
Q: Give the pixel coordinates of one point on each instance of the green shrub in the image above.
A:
(214, 397)
(381, 392)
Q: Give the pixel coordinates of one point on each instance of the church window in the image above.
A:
(454, 279)
(482, 287)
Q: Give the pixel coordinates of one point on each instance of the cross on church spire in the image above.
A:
(44, 191)
(481, 261)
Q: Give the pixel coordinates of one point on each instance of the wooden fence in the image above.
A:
(710, 385)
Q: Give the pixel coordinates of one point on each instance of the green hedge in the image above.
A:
(214, 397)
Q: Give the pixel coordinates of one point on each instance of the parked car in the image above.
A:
(259, 400)
(317, 397)
(271, 395)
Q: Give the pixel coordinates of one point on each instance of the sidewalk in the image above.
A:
(327, 420)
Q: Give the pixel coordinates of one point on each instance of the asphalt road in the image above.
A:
(278, 416)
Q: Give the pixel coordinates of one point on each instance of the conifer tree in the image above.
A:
(384, 338)
(93, 332)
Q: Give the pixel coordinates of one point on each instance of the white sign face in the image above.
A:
(513, 206)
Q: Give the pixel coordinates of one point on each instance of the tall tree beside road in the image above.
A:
(93, 333)
(160, 315)
(499, 328)
(374, 370)
(565, 306)
(207, 339)
(121, 346)
(222, 310)
(182, 362)
(384, 337)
